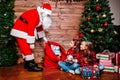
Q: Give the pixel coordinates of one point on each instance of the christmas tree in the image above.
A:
(97, 25)
(8, 52)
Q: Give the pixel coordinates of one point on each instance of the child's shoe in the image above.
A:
(71, 71)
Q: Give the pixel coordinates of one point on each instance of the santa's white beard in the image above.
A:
(47, 22)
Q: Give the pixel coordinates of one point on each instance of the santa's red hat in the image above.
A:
(47, 8)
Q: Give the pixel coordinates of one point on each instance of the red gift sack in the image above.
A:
(50, 59)
(116, 60)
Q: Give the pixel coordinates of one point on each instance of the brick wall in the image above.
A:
(66, 18)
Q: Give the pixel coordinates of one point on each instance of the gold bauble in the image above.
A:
(104, 15)
(97, 0)
(89, 9)
(115, 32)
(100, 29)
(92, 31)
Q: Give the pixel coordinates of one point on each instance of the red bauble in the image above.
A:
(101, 41)
(98, 8)
(81, 35)
(105, 24)
(89, 18)
(76, 37)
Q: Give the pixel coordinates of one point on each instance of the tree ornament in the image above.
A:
(97, 16)
(115, 32)
(98, 8)
(89, 18)
(104, 15)
(105, 24)
(101, 41)
(6, 27)
(89, 9)
(81, 35)
(100, 29)
(5, 14)
(97, 0)
(76, 37)
(92, 31)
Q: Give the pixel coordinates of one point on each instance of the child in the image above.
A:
(70, 64)
(87, 59)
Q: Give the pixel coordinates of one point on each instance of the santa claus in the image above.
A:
(29, 27)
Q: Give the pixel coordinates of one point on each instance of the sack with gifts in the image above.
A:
(106, 55)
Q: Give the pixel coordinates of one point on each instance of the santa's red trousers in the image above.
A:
(24, 46)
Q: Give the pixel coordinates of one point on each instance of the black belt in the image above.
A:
(23, 20)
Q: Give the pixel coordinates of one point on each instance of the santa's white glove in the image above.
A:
(45, 39)
(32, 46)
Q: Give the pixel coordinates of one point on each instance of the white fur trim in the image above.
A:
(29, 57)
(35, 33)
(41, 34)
(30, 39)
(40, 10)
(46, 11)
(24, 35)
(32, 46)
(18, 33)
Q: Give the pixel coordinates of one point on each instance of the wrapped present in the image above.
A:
(109, 69)
(117, 69)
(106, 62)
(88, 72)
(106, 55)
(116, 59)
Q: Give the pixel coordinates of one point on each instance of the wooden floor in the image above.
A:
(17, 72)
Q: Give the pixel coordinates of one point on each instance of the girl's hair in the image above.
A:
(89, 52)
(90, 46)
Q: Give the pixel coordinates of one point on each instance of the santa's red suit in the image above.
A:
(28, 27)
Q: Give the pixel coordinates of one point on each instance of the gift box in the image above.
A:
(116, 59)
(88, 72)
(109, 69)
(117, 69)
(106, 55)
(106, 62)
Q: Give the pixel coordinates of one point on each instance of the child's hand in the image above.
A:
(72, 44)
(75, 60)
(95, 67)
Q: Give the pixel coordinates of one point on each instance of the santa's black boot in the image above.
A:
(32, 66)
